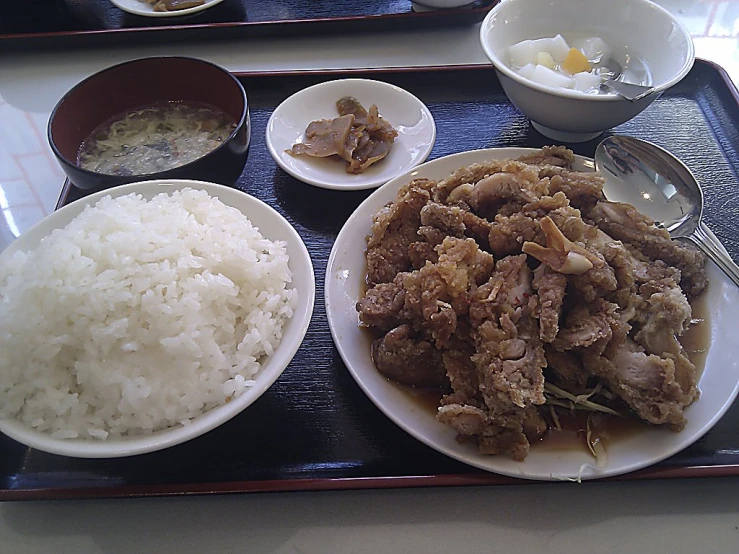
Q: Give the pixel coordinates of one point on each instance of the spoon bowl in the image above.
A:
(659, 185)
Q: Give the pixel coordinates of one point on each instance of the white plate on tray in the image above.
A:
(345, 276)
(406, 113)
(139, 7)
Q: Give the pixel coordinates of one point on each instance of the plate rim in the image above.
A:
(152, 13)
(466, 458)
(376, 183)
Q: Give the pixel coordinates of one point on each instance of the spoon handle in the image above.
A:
(629, 91)
(704, 238)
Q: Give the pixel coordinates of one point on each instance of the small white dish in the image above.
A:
(406, 113)
(139, 7)
(345, 278)
(273, 226)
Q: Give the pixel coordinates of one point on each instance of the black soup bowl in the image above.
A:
(141, 83)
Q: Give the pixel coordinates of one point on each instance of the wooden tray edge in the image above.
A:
(344, 483)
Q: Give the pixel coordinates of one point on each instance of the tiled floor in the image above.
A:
(27, 170)
(30, 178)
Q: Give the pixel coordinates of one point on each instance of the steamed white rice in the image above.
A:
(138, 316)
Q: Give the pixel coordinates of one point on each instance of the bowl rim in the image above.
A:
(216, 416)
(500, 66)
(243, 120)
(143, 13)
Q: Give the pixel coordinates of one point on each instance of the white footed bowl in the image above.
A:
(633, 28)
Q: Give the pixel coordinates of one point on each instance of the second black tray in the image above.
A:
(317, 430)
(70, 23)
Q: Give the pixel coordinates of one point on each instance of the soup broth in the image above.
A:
(154, 138)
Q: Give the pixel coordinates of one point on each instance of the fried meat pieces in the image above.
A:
(505, 272)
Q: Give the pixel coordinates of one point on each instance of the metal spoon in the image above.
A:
(661, 186)
(611, 72)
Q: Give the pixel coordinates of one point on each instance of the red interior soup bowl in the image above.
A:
(197, 128)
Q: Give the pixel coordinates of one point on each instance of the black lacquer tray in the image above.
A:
(51, 23)
(315, 429)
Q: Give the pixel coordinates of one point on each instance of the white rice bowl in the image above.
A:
(143, 316)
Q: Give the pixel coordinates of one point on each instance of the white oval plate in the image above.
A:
(272, 226)
(406, 113)
(139, 7)
(345, 276)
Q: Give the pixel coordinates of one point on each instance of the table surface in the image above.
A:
(657, 516)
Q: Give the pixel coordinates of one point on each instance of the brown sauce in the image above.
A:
(426, 399)
(572, 432)
(573, 424)
(364, 285)
(697, 339)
